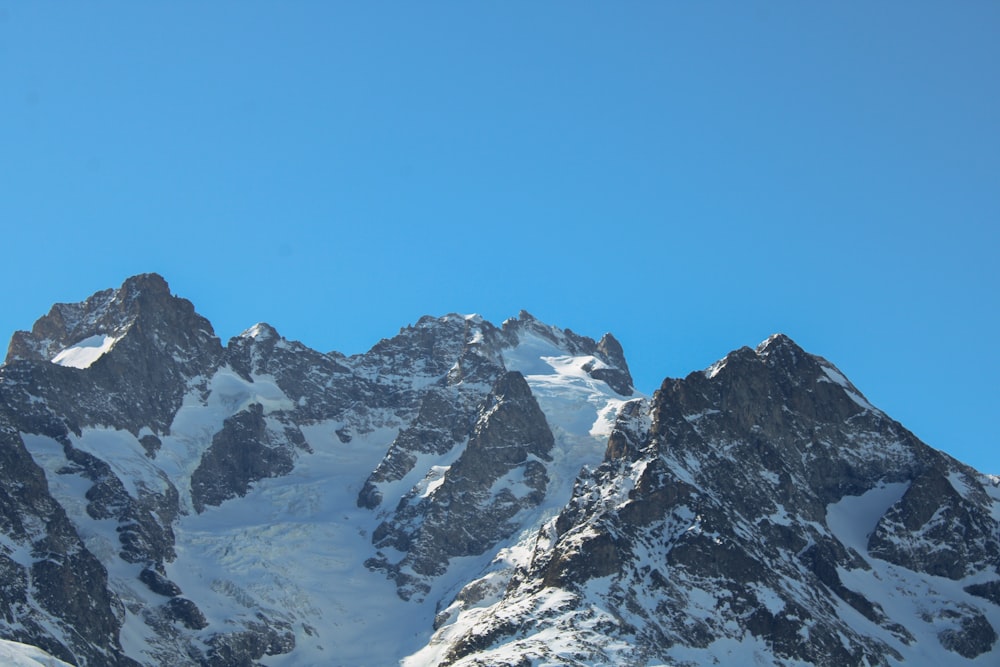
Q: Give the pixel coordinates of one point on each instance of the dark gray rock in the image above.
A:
(151, 444)
(500, 472)
(971, 636)
(630, 433)
(933, 529)
(140, 382)
(243, 649)
(186, 613)
(158, 582)
(988, 591)
(244, 451)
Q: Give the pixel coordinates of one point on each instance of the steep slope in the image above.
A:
(64, 402)
(241, 502)
(761, 510)
(15, 654)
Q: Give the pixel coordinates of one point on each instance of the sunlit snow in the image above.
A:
(297, 545)
(714, 369)
(259, 330)
(85, 352)
(837, 378)
(15, 654)
(925, 605)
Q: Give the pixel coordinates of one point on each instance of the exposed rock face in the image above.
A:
(318, 385)
(442, 423)
(727, 516)
(971, 634)
(168, 500)
(246, 450)
(935, 529)
(472, 506)
(159, 345)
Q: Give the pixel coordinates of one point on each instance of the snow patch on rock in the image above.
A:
(84, 353)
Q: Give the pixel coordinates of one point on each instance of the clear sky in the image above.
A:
(690, 176)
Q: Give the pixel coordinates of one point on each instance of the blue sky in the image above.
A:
(690, 176)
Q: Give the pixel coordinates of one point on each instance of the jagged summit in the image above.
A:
(138, 345)
(261, 331)
(483, 495)
(775, 348)
(108, 315)
(777, 341)
(780, 358)
(780, 350)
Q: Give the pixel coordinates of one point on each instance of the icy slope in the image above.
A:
(580, 410)
(294, 548)
(14, 654)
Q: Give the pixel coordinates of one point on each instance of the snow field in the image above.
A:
(921, 603)
(84, 353)
(15, 654)
(296, 545)
(580, 410)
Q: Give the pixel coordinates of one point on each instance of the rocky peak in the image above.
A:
(611, 349)
(109, 313)
(262, 331)
(777, 378)
(741, 508)
(138, 346)
(778, 343)
(525, 321)
(431, 349)
(261, 349)
(526, 324)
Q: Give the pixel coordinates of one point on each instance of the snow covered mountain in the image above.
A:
(466, 494)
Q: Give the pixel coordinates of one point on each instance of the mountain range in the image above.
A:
(466, 494)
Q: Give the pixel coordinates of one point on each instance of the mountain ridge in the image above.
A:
(485, 494)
